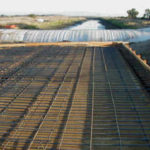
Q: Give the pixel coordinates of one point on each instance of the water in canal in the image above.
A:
(88, 25)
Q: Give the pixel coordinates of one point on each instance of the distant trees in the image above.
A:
(132, 13)
(2, 15)
(147, 14)
(32, 15)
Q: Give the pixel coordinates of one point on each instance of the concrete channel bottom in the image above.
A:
(71, 98)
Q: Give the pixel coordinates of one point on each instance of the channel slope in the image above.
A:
(72, 98)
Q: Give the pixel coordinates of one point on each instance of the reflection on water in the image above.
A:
(89, 25)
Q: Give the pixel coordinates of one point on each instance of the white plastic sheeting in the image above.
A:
(11, 35)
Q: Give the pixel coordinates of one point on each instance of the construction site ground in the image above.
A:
(70, 98)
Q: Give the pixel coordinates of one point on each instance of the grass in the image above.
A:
(121, 24)
(50, 22)
(126, 23)
(59, 24)
(26, 26)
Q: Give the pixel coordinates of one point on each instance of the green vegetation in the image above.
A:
(32, 15)
(59, 24)
(128, 23)
(26, 26)
(120, 23)
(132, 13)
(33, 21)
(131, 21)
(147, 14)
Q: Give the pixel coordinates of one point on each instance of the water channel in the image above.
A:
(88, 25)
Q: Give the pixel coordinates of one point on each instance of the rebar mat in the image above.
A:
(71, 98)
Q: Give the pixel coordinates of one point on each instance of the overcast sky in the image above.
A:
(104, 7)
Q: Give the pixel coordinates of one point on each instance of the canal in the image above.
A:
(88, 25)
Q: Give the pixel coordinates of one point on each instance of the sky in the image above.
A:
(98, 7)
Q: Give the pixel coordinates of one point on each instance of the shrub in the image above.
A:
(32, 15)
(26, 26)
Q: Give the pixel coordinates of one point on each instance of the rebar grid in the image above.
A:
(72, 98)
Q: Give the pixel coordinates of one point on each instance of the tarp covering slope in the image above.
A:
(11, 35)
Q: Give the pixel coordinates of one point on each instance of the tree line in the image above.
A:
(133, 13)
